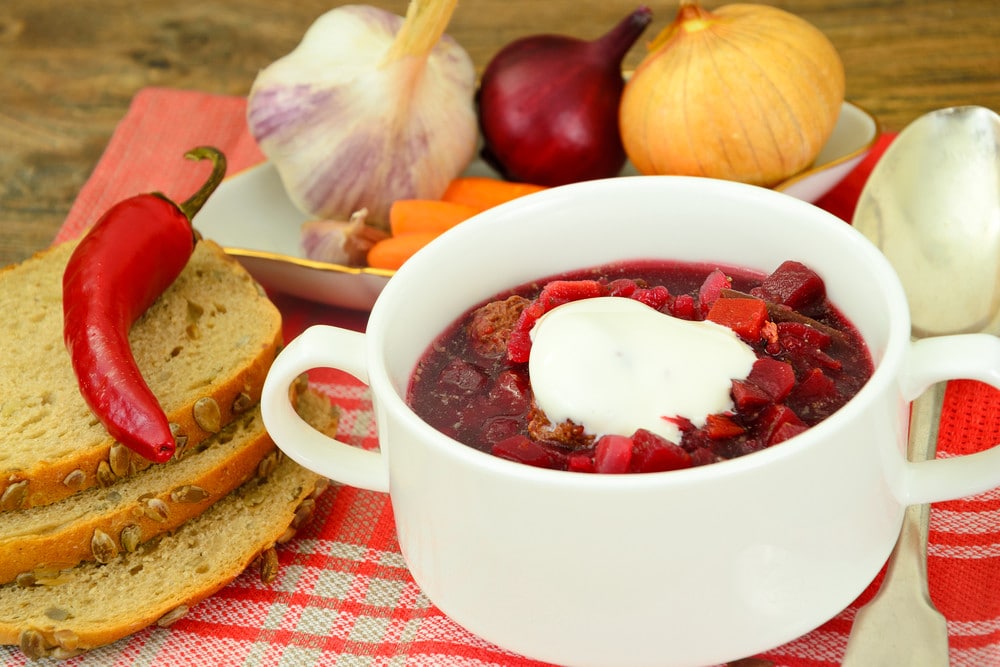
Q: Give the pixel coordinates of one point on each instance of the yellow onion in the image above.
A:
(746, 93)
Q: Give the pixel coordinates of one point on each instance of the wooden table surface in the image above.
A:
(69, 69)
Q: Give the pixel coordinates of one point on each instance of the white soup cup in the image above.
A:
(690, 567)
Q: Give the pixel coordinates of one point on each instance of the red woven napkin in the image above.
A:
(344, 595)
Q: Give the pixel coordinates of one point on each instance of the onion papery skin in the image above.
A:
(747, 93)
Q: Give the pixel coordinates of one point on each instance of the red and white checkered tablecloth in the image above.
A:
(344, 597)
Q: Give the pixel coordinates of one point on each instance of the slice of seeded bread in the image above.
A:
(204, 348)
(93, 604)
(99, 523)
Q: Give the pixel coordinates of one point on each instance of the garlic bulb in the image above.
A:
(367, 109)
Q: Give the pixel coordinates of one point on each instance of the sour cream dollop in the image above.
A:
(614, 365)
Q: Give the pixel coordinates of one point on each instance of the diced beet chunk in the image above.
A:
(580, 463)
(744, 316)
(815, 396)
(816, 386)
(803, 332)
(522, 449)
(749, 397)
(805, 355)
(793, 284)
(654, 453)
(773, 419)
(785, 431)
(654, 297)
(613, 454)
(624, 287)
(683, 307)
(711, 288)
(519, 346)
(558, 292)
(681, 422)
(721, 427)
(775, 377)
(662, 459)
(519, 339)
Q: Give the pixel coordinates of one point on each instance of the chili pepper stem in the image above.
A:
(192, 205)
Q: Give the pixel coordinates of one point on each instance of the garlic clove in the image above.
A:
(340, 242)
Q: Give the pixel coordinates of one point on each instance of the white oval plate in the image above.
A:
(251, 216)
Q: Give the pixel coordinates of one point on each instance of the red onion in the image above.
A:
(548, 105)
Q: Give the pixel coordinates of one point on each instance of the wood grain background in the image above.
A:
(68, 68)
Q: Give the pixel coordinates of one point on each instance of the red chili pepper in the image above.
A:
(123, 264)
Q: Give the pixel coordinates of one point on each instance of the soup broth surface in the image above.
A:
(474, 385)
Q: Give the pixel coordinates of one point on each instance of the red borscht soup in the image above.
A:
(474, 385)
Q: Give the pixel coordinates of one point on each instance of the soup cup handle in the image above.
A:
(319, 346)
(938, 359)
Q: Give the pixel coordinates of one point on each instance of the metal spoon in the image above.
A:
(932, 205)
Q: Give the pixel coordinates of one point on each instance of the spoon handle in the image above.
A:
(910, 555)
(925, 417)
(900, 624)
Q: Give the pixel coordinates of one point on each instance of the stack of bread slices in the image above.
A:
(85, 523)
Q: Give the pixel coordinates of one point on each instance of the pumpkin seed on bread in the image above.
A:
(99, 523)
(92, 604)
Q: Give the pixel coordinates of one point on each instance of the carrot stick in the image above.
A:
(390, 253)
(426, 215)
(481, 192)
